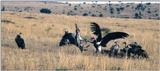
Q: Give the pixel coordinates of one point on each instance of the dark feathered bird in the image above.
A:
(67, 38)
(71, 38)
(20, 41)
(136, 50)
(102, 41)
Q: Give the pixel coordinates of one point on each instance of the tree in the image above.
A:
(100, 15)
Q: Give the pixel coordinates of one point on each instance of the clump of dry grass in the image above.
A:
(43, 52)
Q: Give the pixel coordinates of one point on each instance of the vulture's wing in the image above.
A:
(68, 38)
(96, 30)
(22, 42)
(17, 42)
(112, 36)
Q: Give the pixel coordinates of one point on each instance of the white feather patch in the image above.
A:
(99, 48)
(98, 43)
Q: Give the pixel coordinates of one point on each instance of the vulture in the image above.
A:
(115, 49)
(75, 39)
(67, 38)
(136, 50)
(100, 41)
(20, 41)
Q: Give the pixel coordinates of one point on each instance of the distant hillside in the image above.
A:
(121, 10)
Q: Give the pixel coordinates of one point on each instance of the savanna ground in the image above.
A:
(42, 33)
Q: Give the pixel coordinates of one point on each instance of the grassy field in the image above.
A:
(42, 33)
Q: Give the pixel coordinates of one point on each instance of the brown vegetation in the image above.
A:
(43, 34)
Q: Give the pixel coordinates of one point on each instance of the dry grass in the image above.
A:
(43, 33)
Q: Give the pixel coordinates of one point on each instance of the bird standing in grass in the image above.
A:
(74, 38)
(20, 41)
(137, 51)
(78, 38)
(115, 49)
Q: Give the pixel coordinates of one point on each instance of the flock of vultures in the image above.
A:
(131, 50)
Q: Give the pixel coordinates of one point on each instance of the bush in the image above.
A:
(93, 15)
(137, 16)
(84, 2)
(112, 10)
(45, 10)
(118, 10)
(75, 8)
(121, 8)
(70, 4)
(85, 14)
(148, 11)
(93, 6)
(3, 8)
(100, 15)
(148, 3)
(71, 13)
(79, 5)
(127, 5)
(156, 14)
(140, 7)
